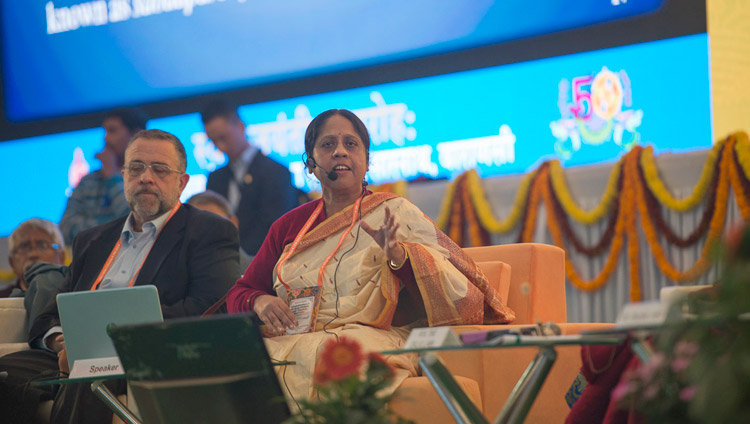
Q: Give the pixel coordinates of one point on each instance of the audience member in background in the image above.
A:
(258, 189)
(37, 257)
(214, 202)
(98, 197)
(35, 240)
(189, 255)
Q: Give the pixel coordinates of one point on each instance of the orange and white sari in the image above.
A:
(360, 294)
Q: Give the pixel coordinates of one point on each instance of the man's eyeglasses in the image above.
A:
(27, 246)
(135, 169)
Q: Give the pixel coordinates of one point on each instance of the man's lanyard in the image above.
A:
(303, 231)
(116, 249)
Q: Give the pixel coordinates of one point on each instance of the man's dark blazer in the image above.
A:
(268, 195)
(193, 263)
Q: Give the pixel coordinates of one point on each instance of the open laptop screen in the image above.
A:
(212, 369)
(85, 315)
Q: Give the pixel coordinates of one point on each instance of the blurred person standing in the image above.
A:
(99, 196)
(258, 189)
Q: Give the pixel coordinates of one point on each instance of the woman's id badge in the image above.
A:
(304, 304)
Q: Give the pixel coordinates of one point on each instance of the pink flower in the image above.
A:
(680, 364)
(648, 370)
(685, 349)
(688, 393)
(621, 390)
(651, 391)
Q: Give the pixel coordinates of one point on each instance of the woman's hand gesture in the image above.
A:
(385, 236)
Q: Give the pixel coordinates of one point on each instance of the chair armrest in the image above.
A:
(542, 266)
(13, 326)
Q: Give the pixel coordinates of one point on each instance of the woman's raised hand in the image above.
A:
(275, 313)
(385, 236)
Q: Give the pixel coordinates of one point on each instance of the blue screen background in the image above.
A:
(230, 44)
(668, 80)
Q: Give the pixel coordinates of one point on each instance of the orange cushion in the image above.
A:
(498, 274)
(418, 401)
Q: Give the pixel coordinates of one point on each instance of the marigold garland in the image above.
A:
(714, 232)
(397, 187)
(446, 207)
(742, 149)
(632, 185)
(456, 224)
(7, 275)
(634, 190)
(571, 208)
(657, 187)
(739, 190)
(477, 234)
(655, 214)
(482, 206)
(526, 234)
(570, 235)
(611, 262)
(745, 183)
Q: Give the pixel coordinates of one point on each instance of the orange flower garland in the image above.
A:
(636, 198)
(743, 203)
(477, 235)
(456, 223)
(632, 184)
(398, 187)
(714, 232)
(611, 262)
(526, 234)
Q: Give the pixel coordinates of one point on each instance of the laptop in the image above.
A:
(85, 315)
(199, 370)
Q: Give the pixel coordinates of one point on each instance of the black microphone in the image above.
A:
(332, 175)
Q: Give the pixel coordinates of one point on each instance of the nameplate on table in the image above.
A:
(421, 338)
(96, 367)
(642, 314)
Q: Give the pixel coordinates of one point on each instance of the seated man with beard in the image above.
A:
(189, 255)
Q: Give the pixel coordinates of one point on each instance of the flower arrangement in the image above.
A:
(351, 387)
(700, 372)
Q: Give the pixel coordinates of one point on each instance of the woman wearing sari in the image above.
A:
(379, 266)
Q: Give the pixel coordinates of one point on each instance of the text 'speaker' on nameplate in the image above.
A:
(421, 338)
(97, 367)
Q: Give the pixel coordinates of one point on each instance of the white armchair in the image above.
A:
(13, 325)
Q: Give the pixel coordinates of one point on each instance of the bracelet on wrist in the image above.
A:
(393, 265)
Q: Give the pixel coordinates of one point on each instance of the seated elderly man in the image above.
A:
(35, 240)
(37, 257)
(214, 202)
(189, 255)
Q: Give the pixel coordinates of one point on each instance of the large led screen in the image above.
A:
(66, 57)
(581, 109)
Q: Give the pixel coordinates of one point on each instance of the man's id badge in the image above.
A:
(304, 304)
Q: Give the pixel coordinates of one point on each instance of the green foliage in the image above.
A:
(701, 371)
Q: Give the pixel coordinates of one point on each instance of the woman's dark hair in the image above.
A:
(313, 130)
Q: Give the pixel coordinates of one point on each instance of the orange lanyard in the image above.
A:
(116, 249)
(303, 231)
